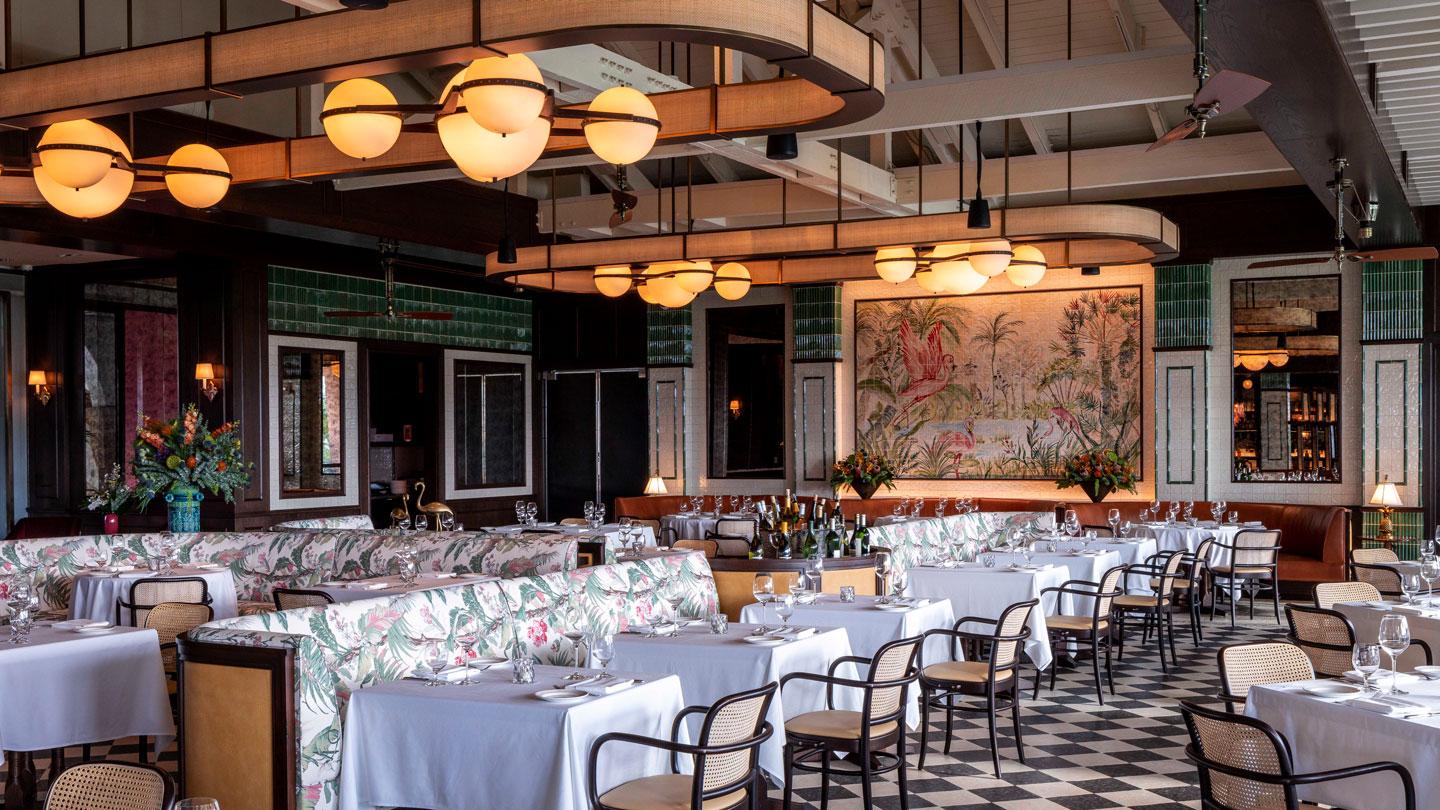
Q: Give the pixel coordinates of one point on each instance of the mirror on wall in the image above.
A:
(1286, 379)
(311, 421)
(746, 357)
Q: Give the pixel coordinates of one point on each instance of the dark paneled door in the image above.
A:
(595, 438)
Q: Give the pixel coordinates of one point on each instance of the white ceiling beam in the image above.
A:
(995, 47)
(1132, 34)
(891, 23)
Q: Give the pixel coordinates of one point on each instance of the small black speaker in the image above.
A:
(505, 251)
(782, 147)
(979, 216)
(1090, 271)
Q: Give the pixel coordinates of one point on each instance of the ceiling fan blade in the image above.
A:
(1290, 262)
(426, 316)
(1178, 132)
(1231, 89)
(1397, 254)
(346, 313)
(624, 203)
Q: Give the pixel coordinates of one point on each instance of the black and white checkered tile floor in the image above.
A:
(1079, 755)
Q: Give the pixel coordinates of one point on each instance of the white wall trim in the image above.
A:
(350, 419)
(447, 434)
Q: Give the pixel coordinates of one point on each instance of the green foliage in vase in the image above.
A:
(185, 451)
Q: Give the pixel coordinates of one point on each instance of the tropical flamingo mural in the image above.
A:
(1002, 386)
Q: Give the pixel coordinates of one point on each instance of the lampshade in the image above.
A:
(36, 377)
(663, 287)
(1254, 362)
(655, 486)
(613, 280)
(193, 189)
(646, 291)
(621, 142)
(895, 264)
(732, 281)
(947, 255)
(1027, 266)
(75, 167)
(204, 371)
(695, 276)
(484, 155)
(990, 257)
(961, 278)
(928, 280)
(362, 135)
(1278, 359)
(506, 107)
(92, 201)
(1386, 494)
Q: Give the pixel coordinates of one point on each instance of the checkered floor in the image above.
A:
(1079, 755)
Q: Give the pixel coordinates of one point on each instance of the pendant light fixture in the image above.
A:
(197, 176)
(358, 118)
(483, 155)
(732, 281)
(1027, 266)
(504, 94)
(76, 153)
(895, 264)
(96, 199)
(621, 126)
(612, 280)
(979, 216)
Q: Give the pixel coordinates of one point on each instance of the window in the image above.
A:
(746, 358)
(311, 421)
(487, 431)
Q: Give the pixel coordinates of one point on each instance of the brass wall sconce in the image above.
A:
(209, 378)
(43, 384)
(736, 409)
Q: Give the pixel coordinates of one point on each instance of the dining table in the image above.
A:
(1326, 733)
(984, 592)
(1088, 565)
(496, 744)
(95, 591)
(1187, 538)
(711, 666)
(1422, 617)
(695, 525)
(352, 590)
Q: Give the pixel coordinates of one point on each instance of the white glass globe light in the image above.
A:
(895, 264)
(960, 278)
(504, 108)
(95, 200)
(1254, 362)
(76, 168)
(990, 257)
(928, 280)
(621, 142)
(732, 281)
(362, 135)
(694, 276)
(198, 190)
(1027, 266)
(483, 155)
(612, 280)
(945, 260)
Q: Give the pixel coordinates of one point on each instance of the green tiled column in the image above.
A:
(1182, 306)
(817, 323)
(1393, 300)
(669, 334)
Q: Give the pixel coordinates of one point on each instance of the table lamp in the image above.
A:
(1386, 497)
(655, 486)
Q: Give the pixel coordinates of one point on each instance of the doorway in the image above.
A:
(403, 441)
(595, 438)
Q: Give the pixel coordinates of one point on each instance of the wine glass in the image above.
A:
(919, 505)
(575, 633)
(422, 522)
(447, 521)
(1155, 507)
(197, 803)
(602, 650)
(1409, 586)
(520, 511)
(587, 510)
(531, 511)
(1126, 528)
(599, 515)
(882, 572)
(1189, 510)
(1430, 571)
(785, 608)
(467, 639)
(436, 657)
(1072, 523)
(899, 581)
(763, 589)
(1366, 659)
(1394, 639)
(940, 507)
(1113, 518)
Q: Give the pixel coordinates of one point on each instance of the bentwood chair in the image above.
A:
(111, 786)
(725, 759)
(1253, 566)
(710, 548)
(1385, 579)
(997, 679)
(169, 620)
(743, 528)
(812, 738)
(1093, 628)
(1194, 584)
(1327, 594)
(1328, 637)
(1243, 763)
(1257, 664)
(1153, 609)
(146, 593)
(1373, 556)
(292, 598)
(729, 545)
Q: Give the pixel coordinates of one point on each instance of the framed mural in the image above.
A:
(1001, 385)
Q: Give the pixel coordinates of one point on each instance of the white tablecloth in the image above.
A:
(611, 533)
(974, 590)
(492, 744)
(1186, 538)
(1325, 735)
(694, 527)
(375, 587)
(95, 593)
(1424, 625)
(1087, 567)
(869, 629)
(711, 667)
(66, 688)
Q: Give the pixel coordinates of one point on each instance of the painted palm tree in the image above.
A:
(996, 332)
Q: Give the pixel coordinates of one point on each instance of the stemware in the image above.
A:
(1430, 571)
(1366, 660)
(602, 650)
(575, 634)
(903, 508)
(1113, 518)
(1189, 510)
(919, 505)
(1394, 639)
(421, 522)
(1072, 523)
(436, 657)
(1126, 528)
(467, 639)
(1232, 518)
(785, 608)
(520, 511)
(882, 571)
(763, 589)
(587, 510)
(1435, 542)
(1409, 586)
(899, 581)
(940, 507)
(197, 803)
(447, 521)
(531, 511)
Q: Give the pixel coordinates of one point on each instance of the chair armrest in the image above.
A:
(830, 673)
(976, 619)
(675, 748)
(675, 731)
(1406, 782)
(1429, 656)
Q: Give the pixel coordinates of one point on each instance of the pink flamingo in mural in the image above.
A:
(928, 366)
(1066, 419)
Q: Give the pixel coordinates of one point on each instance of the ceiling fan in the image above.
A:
(1340, 185)
(387, 262)
(622, 199)
(1228, 90)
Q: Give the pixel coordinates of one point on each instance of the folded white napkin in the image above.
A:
(1253, 524)
(793, 632)
(602, 685)
(1397, 705)
(657, 629)
(440, 575)
(373, 586)
(1381, 677)
(80, 624)
(911, 601)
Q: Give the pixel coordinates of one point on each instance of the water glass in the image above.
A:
(763, 589)
(1126, 528)
(1232, 518)
(602, 650)
(531, 511)
(899, 581)
(447, 521)
(436, 657)
(522, 668)
(847, 593)
(1430, 571)
(1409, 586)
(197, 803)
(520, 511)
(421, 522)
(1113, 518)
(882, 572)
(1366, 660)
(1394, 639)
(719, 623)
(467, 640)
(153, 563)
(785, 608)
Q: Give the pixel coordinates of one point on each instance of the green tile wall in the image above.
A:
(669, 334)
(300, 298)
(1182, 306)
(1409, 526)
(1393, 300)
(817, 323)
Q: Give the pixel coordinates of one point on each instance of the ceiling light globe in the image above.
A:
(895, 264)
(76, 168)
(1278, 359)
(960, 278)
(362, 135)
(504, 108)
(647, 292)
(612, 280)
(1254, 362)
(732, 281)
(489, 156)
(1027, 266)
(621, 142)
(929, 281)
(695, 276)
(990, 257)
(92, 201)
(198, 190)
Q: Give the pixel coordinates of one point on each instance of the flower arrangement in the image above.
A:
(1099, 473)
(112, 494)
(186, 452)
(863, 473)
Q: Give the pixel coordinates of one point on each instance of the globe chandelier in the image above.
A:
(961, 268)
(673, 284)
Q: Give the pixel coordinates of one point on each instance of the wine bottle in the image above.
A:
(757, 545)
(811, 546)
(834, 541)
(861, 539)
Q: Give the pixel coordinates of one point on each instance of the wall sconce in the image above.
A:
(41, 382)
(735, 409)
(209, 379)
